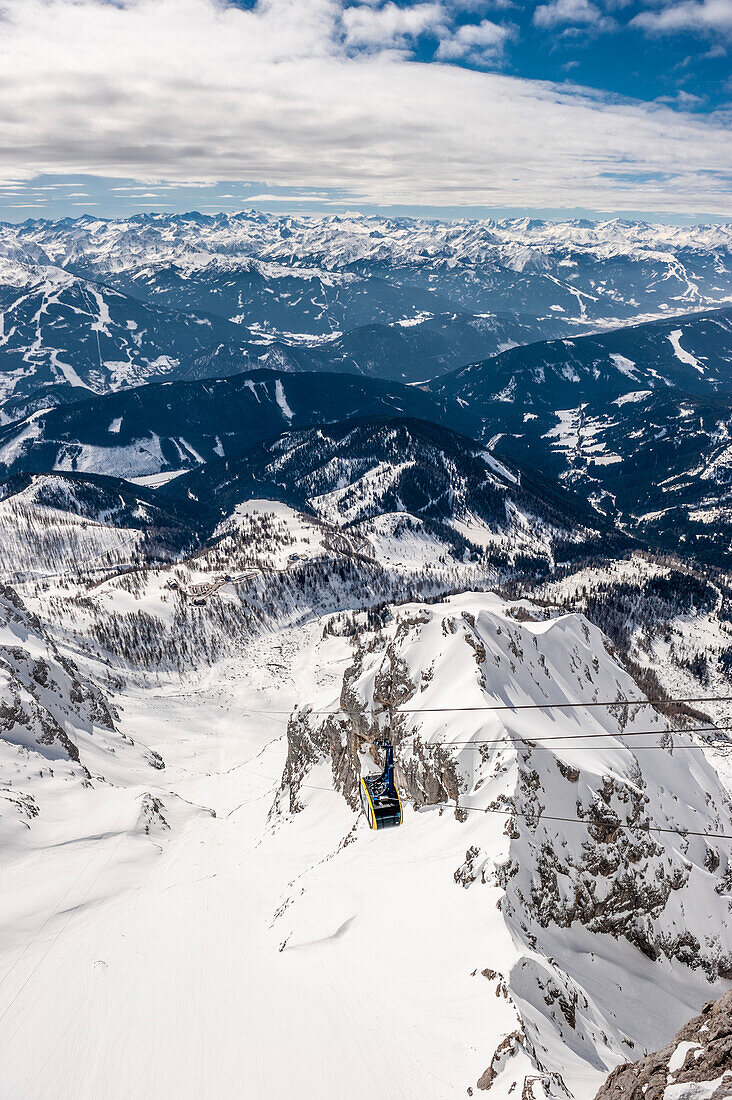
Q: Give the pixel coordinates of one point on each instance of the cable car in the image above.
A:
(379, 795)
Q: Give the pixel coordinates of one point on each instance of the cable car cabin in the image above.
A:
(379, 795)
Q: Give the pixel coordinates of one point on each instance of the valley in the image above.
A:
(278, 896)
(273, 490)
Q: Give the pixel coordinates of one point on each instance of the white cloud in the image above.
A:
(289, 198)
(684, 99)
(390, 25)
(200, 90)
(573, 13)
(479, 7)
(707, 16)
(477, 43)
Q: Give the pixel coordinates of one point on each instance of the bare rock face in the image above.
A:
(696, 1064)
(598, 861)
(309, 743)
(44, 699)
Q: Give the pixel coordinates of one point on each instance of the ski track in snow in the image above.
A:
(682, 355)
(282, 400)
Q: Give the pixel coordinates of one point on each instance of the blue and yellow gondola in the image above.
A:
(379, 795)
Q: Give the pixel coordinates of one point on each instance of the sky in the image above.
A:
(436, 107)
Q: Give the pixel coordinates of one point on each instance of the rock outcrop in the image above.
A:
(609, 865)
(695, 1065)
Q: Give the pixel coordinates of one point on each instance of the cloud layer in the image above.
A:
(702, 16)
(299, 93)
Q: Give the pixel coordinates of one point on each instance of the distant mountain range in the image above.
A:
(634, 422)
(249, 320)
(637, 421)
(110, 304)
(551, 402)
(61, 335)
(612, 269)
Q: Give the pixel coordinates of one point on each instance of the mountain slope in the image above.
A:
(47, 707)
(178, 425)
(692, 354)
(396, 483)
(533, 929)
(696, 1063)
(62, 524)
(57, 329)
(414, 350)
(638, 421)
(599, 935)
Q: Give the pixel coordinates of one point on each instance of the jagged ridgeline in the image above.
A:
(697, 1062)
(102, 305)
(579, 847)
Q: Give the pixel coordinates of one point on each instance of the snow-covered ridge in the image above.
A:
(338, 241)
(608, 935)
(186, 263)
(585, 918)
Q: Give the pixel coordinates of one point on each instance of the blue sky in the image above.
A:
(439, 107)
(602, 46)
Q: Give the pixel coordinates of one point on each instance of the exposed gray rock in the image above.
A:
(44, 699)
(696, 1064)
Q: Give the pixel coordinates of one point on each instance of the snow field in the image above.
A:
(302, 955)
(160, 972)
(589, 965)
